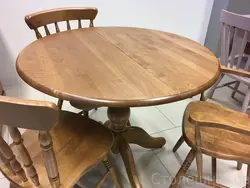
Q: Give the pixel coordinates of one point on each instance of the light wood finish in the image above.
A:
(119, 67)
(136, 135)
(49, 158)
(110, 169)
(24, 154)
(124, 70)
(14, 164)
(43, 18)
(216, 131)
(76, 144)
(181, 139)
(183, 170)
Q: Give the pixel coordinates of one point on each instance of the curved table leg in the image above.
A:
(124, 134)
(129, 162)
(136, 135)
(119, 118)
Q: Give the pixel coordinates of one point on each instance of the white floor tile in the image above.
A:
(150, 119)
(50, 98)
(174, 111)
(94, 175)
(4, 183)
(27, 92)
(13, 91)
(226, 170)
(99, 115)
(150, 170)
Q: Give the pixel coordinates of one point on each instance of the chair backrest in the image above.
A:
(231, 129)
(234, 38)
(35, 115)
(53, 16)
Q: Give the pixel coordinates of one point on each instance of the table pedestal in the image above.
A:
(126, 134)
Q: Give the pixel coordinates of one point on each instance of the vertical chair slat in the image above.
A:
(46, 30)
(24, 155)
(79, 24)
(232, 55)
(91, 23)
(199, 160)
(68, 25)
(242, 49)
(49, 158)
(38, 34)
(9, 155)
(57, 28)
(228, 40)
(223, 43)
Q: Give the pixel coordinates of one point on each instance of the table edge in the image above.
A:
(117, 103)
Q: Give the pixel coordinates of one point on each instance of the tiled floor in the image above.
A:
(155, 167)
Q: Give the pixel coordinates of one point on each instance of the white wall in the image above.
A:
(213, 32)
(187, 18)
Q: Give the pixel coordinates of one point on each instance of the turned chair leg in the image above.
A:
(214, 166)
(178, 144)
(113, 174)
(183, 170)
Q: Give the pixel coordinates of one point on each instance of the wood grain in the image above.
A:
(24, 155)
(216, 131)
(44, 114)
(118, 66)
(77, 147)
(45, 17)
(234, 126)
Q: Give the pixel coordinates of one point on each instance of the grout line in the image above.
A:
(165, 130)
(162, 164)
(166, 116)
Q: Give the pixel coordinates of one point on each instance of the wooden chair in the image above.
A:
(234, 26)
(54, 16)
(234, 53)
(56, 150)
(216, 131)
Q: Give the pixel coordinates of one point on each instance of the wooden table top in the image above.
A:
(118, 66)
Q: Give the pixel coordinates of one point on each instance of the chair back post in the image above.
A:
(235, 27)
(53, 16)
(199, 158)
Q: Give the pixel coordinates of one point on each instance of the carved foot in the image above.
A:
(136, 135)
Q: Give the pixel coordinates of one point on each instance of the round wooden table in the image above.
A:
(119, 67)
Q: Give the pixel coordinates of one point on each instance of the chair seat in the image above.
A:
(217, 142)
(83, 107)
(79, 144)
